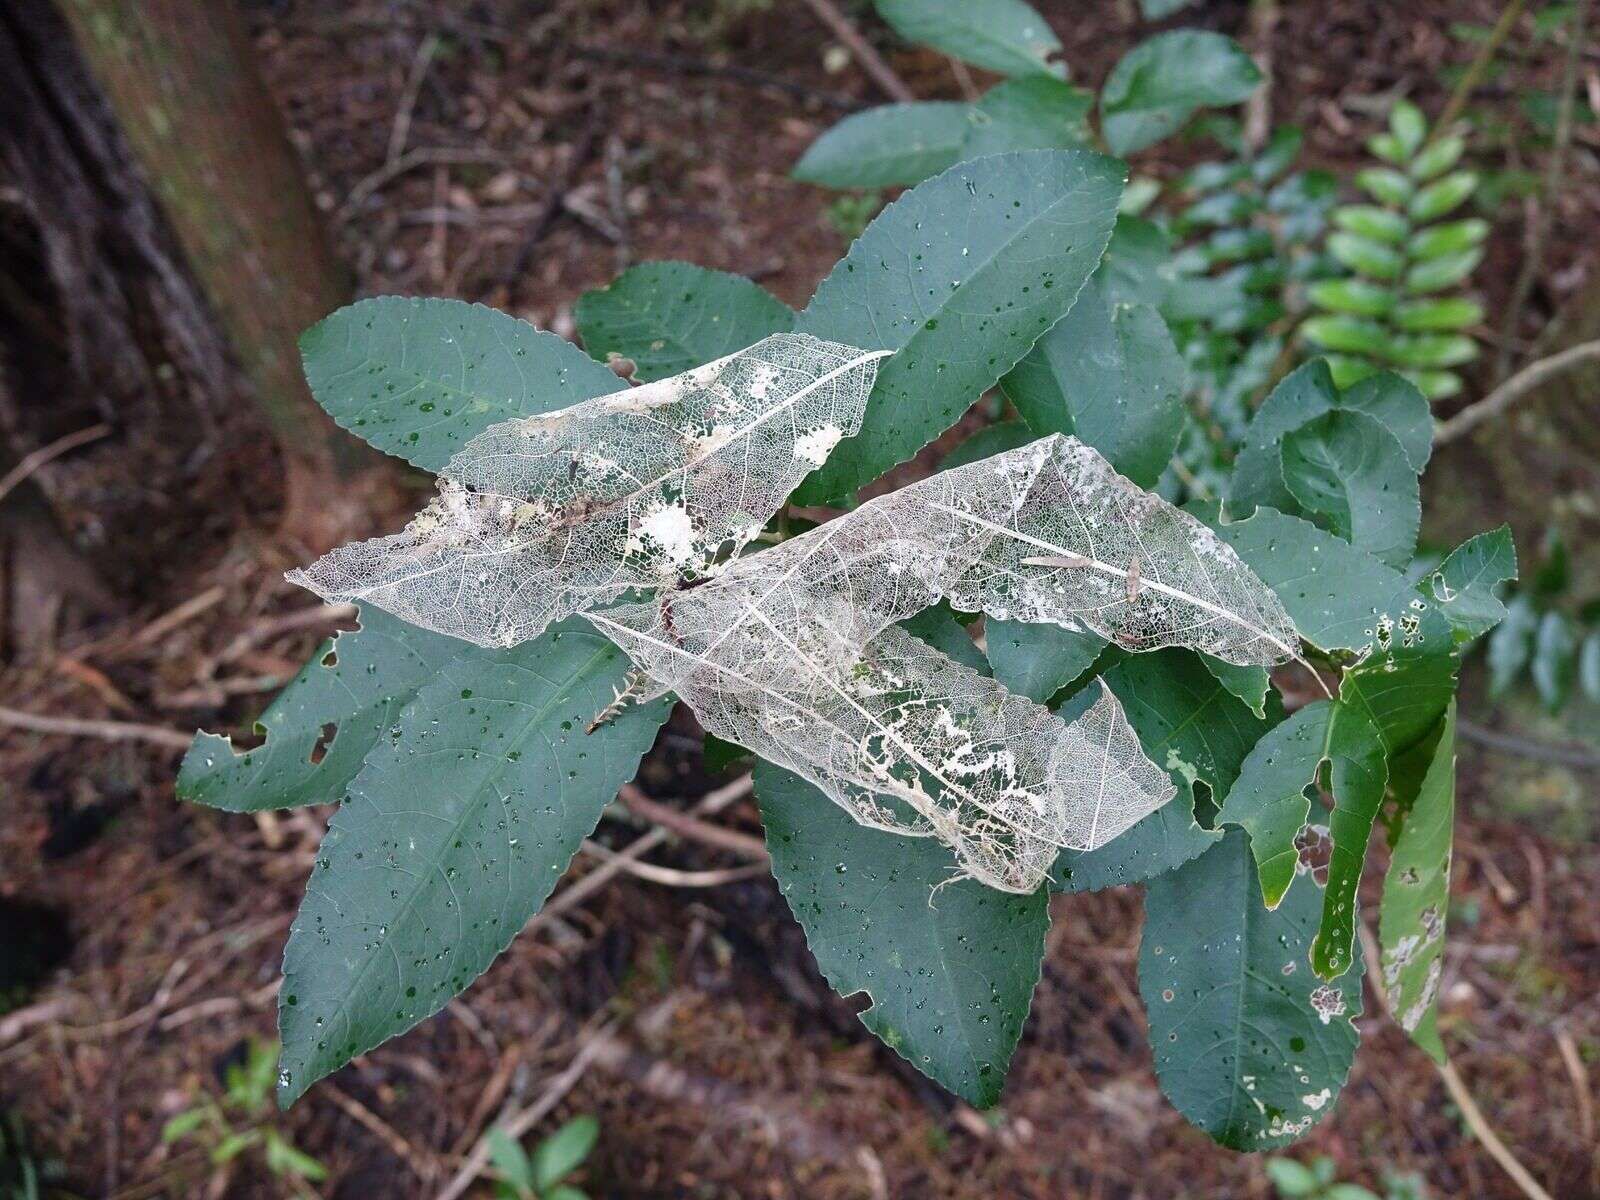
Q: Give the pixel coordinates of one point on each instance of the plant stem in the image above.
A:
(1474, 73)
(861, 50)
(1527, 380)
(1539, 227)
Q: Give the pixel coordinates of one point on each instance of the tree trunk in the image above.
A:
(159, 255)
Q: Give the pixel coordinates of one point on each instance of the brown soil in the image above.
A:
(665, 130)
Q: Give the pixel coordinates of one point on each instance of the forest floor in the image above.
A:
(520, 154)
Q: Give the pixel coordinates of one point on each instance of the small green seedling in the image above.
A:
(241, 1119)
(543, 1175)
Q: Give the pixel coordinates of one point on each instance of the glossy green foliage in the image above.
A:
(950, 973)
(1249, 1044)
(670, 316)
(1005, 36)
(1159, 84)
(1548, 637)
(1406, 255)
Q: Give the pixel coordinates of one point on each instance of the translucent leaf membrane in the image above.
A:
(544, 516)
(1050, 533)
(900, 736)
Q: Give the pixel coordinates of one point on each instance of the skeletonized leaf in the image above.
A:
(1053, 534)
(901, 737)
(542, 517)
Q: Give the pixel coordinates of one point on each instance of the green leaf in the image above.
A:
(1442, 196)
(1511, 645)
(1270, 800)
(888, 145)
(1408, 125)
(1438, 273)
(1159, 84)
(356, 683)
(1370, 221)
(455, 831)
(1554, 649)
(1159, 10)
(564, 1151)
(1290, 1178)
(1464, 584)
(233, 1145)
(1435, 385)
(1354, 296)
(987, 442)
(1004, 36)
(1450, 312)
(566, 1191)
(1416, 898)
(284, 1159)
(939, 628)
(185, 1123)
(1198, 732)
(508, 1157)
(1387, 147)
(1450, 238)
(1249, 1045)
(1438, 158)
(1431, 351)
(1589, 666)
(669, 317)
(1372, 259)
(1249, 684)
(1037, 661)
(1038, 112)
(1352, 472)
(1109, 374)
(1385, 186)
(1349, 371)
(420, 378)
(1278, 155)
(1351, 335)
(960, 276)
(1306, 394)
(1335, 594)
(950, 978)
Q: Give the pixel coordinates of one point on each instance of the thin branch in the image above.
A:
(1459, 1093)
(44, 454)
(518, 1124)
(1258, 108)
(633, 59)
(1527, 380)
(1521, 747)
(861, 50)
(400, 131)
(671, 876)
(684, 825)
(1539, 228)
(109, 731)
(1471, 77)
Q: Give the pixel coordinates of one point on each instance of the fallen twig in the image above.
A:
(1508, 393)
(1470, 78)
(743, 844)
(1567, 756)
(109, 731)
(1459, 1093)
(425, 1168)
(32, 461)
(861, 50)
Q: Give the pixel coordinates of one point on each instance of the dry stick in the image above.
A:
(421, 1166)
(861, 50)
(743, 844)
(671, 876)
(1567, 756)
(1258, 108)
(519, 1123)
(1468, 1107)
(1539, 229)
(400, 131)
(1474, 73)
(110, 731)
(1527, 380)
(44, 454)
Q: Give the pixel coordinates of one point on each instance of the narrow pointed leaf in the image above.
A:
(1249, 1045)
(1270, 800)
(1416, 899)
(950, 975)
(456, 830)
(1350, 475)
